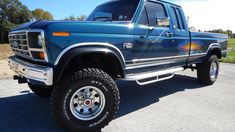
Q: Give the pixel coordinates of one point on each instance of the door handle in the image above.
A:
(169, 34)
(150, 28)
(142, 37)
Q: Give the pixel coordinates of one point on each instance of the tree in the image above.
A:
(82, 17)
(40, 14)
(70, 18)
(12, 13)
(73, 18)
(228, 32)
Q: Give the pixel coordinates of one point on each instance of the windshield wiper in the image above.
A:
(103, 17)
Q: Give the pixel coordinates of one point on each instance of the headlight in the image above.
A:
(40, 40)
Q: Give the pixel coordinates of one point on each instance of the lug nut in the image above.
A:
(75, 105)
(90, 109)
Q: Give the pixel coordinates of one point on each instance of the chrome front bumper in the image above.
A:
(31, 72)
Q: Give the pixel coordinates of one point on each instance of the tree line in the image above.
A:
(14, 13)
(228, 32)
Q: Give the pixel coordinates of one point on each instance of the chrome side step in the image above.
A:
(152, 77)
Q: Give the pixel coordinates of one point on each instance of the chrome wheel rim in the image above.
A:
(87, 103)
(213, 71)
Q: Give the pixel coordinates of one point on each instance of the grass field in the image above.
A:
(231, 54)
(231, 43)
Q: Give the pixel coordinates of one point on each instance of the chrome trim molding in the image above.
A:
(213, 45)
(159, 58)
(224, 51)
(86, 44)
(31, 71)
(131, 66)
(44, 50)
(198, 54)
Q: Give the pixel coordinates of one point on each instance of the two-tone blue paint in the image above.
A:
(152, 49)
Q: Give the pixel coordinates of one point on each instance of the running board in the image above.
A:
(152, 77)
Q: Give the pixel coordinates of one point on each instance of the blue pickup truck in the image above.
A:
(76, 63)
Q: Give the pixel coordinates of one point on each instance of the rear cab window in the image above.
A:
(177, 18)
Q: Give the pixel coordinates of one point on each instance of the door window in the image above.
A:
(155, 10)
(143, 18)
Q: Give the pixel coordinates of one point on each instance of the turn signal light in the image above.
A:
(41, 55)
(61, 34)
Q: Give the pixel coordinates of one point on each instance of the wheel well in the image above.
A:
(217, 52)
(106, 62)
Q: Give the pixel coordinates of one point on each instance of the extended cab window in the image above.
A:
(155, 10)
(114, 11)
(177, 18)
(180, 18)
(174, 18)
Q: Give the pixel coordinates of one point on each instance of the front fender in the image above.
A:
(80, 50)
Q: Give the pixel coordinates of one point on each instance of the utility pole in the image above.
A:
(187, 19)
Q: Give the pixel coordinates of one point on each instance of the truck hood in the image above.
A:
(33, 25)
(77, 26)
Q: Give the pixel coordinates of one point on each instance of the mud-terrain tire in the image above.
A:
(207, 72)
(41, 90)
(85, 100)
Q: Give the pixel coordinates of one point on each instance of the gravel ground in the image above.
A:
(180, 104)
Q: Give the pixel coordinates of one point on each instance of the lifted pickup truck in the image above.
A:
(77, 63)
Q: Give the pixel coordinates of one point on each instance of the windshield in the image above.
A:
(114, 11)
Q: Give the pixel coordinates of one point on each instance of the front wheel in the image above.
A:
(207, 72)
(87, 100)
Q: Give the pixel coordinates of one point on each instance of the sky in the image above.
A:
(204, 14)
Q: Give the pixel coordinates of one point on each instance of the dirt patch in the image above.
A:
(5, 51)
(5, 71)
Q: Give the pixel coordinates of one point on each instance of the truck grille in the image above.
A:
(29, 44)
(19, 44)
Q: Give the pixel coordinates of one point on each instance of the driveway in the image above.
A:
(180, 104)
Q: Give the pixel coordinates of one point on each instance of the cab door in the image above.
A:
(154, 44)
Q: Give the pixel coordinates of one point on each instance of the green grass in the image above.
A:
(231, 43)
(231, 54)
(230, 57)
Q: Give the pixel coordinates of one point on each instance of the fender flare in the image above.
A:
(212, 47)
(84, 48)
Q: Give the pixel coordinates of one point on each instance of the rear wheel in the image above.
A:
(41, 91)
(87, 100)
(207, 72)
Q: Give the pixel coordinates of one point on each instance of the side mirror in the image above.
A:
(163, 22)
